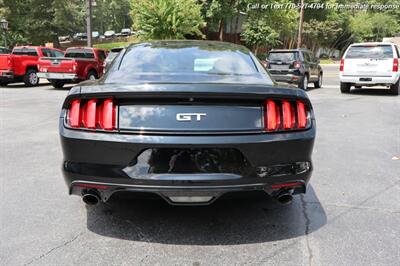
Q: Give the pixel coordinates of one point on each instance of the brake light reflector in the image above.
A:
(92, 114)
(395, 65)
(341, 65)
(294, 115)
(74, 114)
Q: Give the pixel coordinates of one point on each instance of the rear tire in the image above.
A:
(92, 75)
(3, 83)
(304, 82)
(318, 83)
(30, 78)
(345, 87)
(394, 89)
(58, 84)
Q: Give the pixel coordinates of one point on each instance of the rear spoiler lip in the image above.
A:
(216, 91)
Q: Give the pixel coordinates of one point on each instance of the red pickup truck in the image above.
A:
(21, 64)
(79, 63)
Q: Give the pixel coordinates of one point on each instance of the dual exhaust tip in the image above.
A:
(284, 198)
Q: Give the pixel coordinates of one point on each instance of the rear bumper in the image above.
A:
(289, 78)
(110, 163)
(374, 80)
(53, 75)
(6, 75)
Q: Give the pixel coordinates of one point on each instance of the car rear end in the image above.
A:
(370, 64)
(6, 68)
(285, 66)
(57, 68)
(188, 150)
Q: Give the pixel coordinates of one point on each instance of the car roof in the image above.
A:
(218, 45)
(290, 50)
(371, 43)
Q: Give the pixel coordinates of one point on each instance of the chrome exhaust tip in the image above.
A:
(91, 198)
(284, 198)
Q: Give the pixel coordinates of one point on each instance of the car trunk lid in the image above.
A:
(57, 64)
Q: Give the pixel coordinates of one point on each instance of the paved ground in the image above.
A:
(350, 215)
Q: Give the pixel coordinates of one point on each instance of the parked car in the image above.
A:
(109, 34)
(126, 32)
(298, 66)
(79, 63)
(111, 56)
(80, 36)
(95, 35)
(370, 64)
(21, 64)
(205, 120)
(64, 38)
(4, 50)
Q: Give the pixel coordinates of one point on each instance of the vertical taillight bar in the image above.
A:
(301, 115)
(288, 115)
(271, 115)
(89, 114)
(395, 65)
(74, 114)
(341, 65)
(107, 118)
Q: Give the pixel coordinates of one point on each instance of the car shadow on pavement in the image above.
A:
(22, 86)
(238, 220)
(371, 92)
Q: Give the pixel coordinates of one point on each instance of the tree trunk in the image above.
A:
(237, 26)
(56, 42)
(256, 50)
(221, 30)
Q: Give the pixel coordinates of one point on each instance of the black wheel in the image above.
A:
(394, 89)
(303, 84)
(3, 83)
(358, 87)
(58, 84)
(345, 87)
(30, 78)
(318, 83)
(92, 75)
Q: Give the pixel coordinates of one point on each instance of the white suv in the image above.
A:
(370, 64)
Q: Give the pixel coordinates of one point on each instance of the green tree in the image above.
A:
(257, 33)
(111, 15)
(167, 19)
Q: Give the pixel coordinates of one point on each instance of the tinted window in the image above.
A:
(47, 52)
(57, 53)
(282, 56)
(102, 55)
(79, 53)
(397, 51)
(371, 51)
(25, 51)
(4, 50)
(175, 59)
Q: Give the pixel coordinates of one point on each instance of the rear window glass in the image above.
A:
(204, 60)
(283, 56)
(80, 53)
(374, 52)
(25, 51)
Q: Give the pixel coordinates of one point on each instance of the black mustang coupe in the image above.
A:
(189, 121)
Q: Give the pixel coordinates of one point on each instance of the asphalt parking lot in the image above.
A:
(349, 216)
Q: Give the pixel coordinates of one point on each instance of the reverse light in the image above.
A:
(341, 65)
(285, 115)
(92, 114)
(395, 65)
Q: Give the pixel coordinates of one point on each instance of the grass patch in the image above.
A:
(327, 61)
(111, 45)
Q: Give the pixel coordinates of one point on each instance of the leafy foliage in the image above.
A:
(167, 19)
(258, 33)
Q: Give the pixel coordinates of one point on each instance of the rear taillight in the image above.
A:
(341, 65)
(74, 66)
(281, 115)
(297, 65)
(92, 114)
(395, 65)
